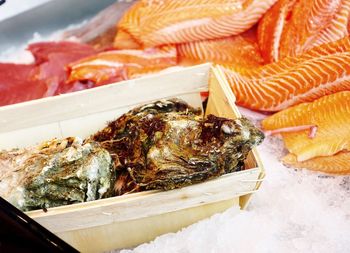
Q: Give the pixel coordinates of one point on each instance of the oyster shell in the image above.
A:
(168, 144)
(57, 172)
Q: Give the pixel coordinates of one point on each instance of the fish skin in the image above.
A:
(337, 164)
(299, 25)
(239, 49)
(171, 21)
(331, 115)
(109, 65)
(273, 87)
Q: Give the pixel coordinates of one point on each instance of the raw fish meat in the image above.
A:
(330, 114)
(52, 58)
(46, 76)
(129, 28)
(17, 84)
(270, 29)
(337, 29)
(153, 23)
(241, 50)
(107, 66)
(290, 28)
(335, 164)
(43, 50)
(321, 71)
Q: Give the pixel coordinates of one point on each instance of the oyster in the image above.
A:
(168, 144)
(57, 172)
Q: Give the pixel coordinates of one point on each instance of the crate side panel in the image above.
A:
(29, 136)
(108, 97)
(112, 210)
(134, 232)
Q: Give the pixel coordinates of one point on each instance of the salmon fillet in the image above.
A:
(331, 115)
(273, 87)
(171, 21)
(293, 27)
(337, 29)
(336, 164)
(270, 29)
(110, 66)
(240, 50)
(129, 28)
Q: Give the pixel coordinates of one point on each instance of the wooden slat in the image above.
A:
(222, 103)
(119, 209)
(133, 232)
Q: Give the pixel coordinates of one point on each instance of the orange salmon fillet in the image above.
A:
(270, 29)
(128, 28)
(331, 115)
(293, 27)
(162, 22)
(240, 50)
(321, 71)
(109, 65)
(337, 29)
(336, 164)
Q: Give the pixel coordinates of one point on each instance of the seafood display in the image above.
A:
(55, 173)
(163, 145)
(276, 54)
(331, 116)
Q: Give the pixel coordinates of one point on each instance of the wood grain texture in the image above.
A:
(134, 232)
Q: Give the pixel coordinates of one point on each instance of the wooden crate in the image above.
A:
(129, 220)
